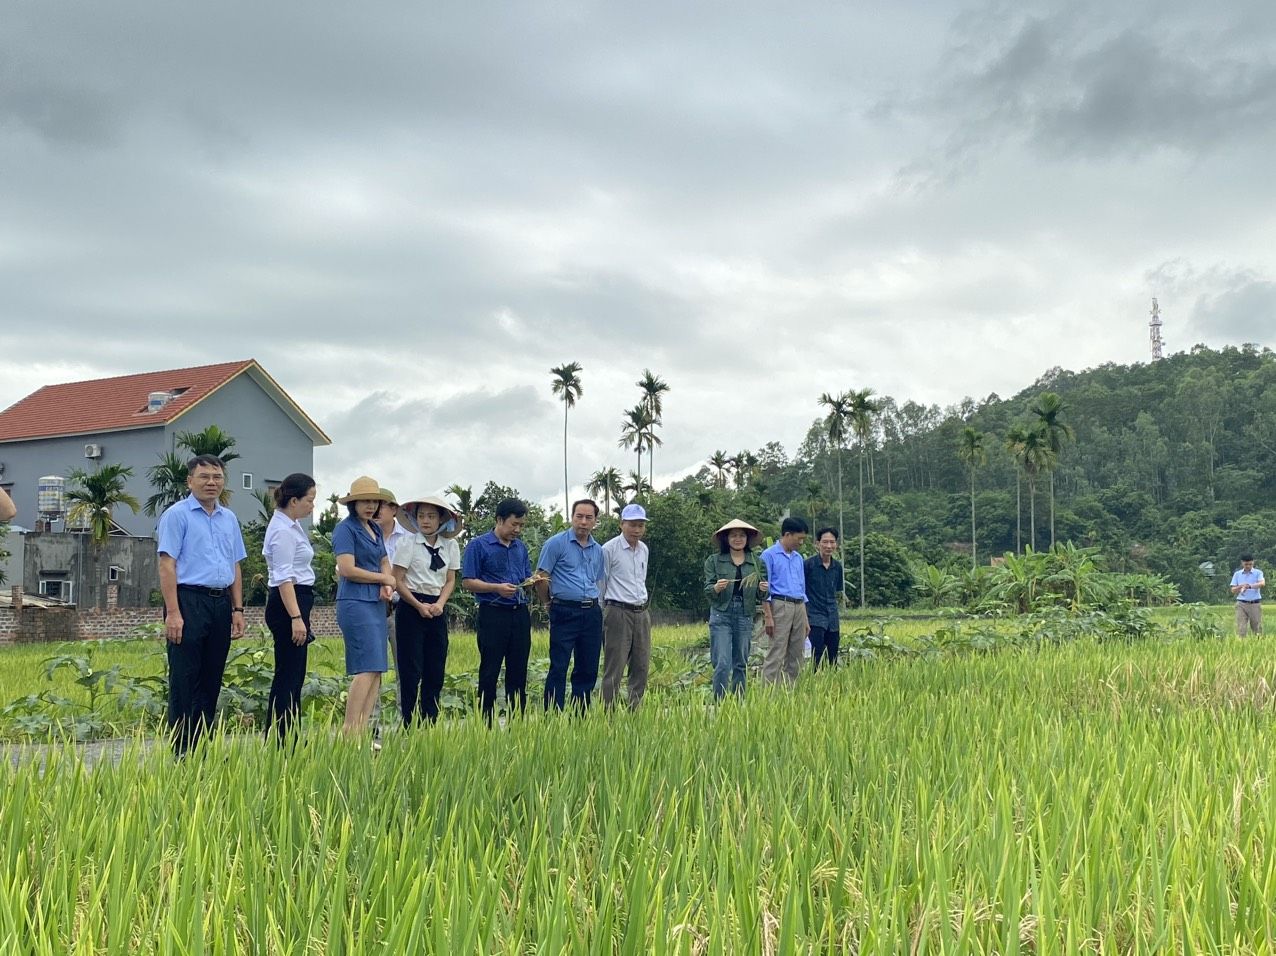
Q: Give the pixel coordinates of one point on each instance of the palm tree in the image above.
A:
(652, 389)
(740, 468)
(464, 497)
(1016, 435)
(95, 496)
(835, 426)
(168, 478)
(566, 385)
(971, 450)
(606, 482)
(211, 441)
(633, 430)
(1049, 409)
(862, 408)
(1032, 453)
(719, 462)
(639, 485)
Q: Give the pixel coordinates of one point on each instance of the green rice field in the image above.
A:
(1081, 796)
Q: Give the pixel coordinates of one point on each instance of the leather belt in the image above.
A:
(581, 604)
(201, 589)
(1245, 601)
(785, 597)
(628, 607)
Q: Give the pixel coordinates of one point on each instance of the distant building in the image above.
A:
(132, 420)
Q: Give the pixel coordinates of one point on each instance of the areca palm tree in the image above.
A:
(719, 462)
(210, 441)
(1049, 409)
(1032, 453)
(862, 408)
(567, 386)
(607, 483)
(633, 431)
(971, 450)
(463, 495)
(653, 389)
(168, 478)
(740, 468)
(836, 424)
(639, 485)
(94, 496)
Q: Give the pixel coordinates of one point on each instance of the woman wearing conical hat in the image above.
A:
(734, 577)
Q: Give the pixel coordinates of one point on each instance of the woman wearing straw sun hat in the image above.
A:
(365, 581)
(733, 579)
(425, 566)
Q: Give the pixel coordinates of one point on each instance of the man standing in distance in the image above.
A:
(626, 620)
(494, 568)
(824, 582)
(573, 561)
(1247, 585)
(784, 610)
(200, 547)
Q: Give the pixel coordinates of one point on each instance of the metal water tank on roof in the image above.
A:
(157, 400)
(50, 494)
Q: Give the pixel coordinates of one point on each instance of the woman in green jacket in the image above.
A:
(733, 578)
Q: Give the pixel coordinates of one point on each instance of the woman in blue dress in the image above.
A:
(365, 582)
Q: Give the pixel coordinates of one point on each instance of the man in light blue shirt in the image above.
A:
(573, 563)
(200, 547)
(1247, 584)
(784, 610)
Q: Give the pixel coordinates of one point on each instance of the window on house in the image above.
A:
(58, 588)
(248, 482)
(114, 573)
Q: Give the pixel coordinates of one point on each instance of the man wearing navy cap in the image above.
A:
(626, 620)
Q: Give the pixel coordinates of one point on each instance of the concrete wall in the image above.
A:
(88, 571)
(269, 443)
(11, 567)
(26, 462)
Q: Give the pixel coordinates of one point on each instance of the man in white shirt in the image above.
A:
(1247, 588)
(626, 618)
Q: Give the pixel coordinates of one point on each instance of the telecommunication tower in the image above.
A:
(1154, 328)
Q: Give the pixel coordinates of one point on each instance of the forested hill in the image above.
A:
(1170, 465)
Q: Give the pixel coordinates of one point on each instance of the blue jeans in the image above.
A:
(730, 633)
(574, 632)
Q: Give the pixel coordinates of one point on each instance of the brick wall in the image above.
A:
(67, 624)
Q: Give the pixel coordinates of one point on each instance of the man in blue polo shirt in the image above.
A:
(784, 611)
(494, 568)
(200, 547)
(574, 562)
(1247, 585)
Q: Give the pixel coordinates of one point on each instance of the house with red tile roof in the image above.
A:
(134, 420)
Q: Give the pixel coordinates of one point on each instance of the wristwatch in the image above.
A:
(295, 617)
(236, 610)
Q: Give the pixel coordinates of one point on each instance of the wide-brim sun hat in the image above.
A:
(389, 497)
(754, 535)
(364, 488)
(408, 513)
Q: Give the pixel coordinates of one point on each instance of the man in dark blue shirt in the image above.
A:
(494, 568)
(824, 583)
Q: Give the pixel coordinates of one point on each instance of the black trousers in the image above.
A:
(290, 660)
(824, 643)
(421, 659)
(576, 638)
(196, 665)
(504, 637)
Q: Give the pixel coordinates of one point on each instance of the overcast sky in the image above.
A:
(408, 218)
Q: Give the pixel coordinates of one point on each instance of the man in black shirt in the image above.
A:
(823, 589)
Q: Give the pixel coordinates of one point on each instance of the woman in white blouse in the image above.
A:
(289, 556)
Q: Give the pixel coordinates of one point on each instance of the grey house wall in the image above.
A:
(11, 567)
(269, 443)
(56, 554)
(26, 462)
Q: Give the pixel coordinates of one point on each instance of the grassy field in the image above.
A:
(1089, 796)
